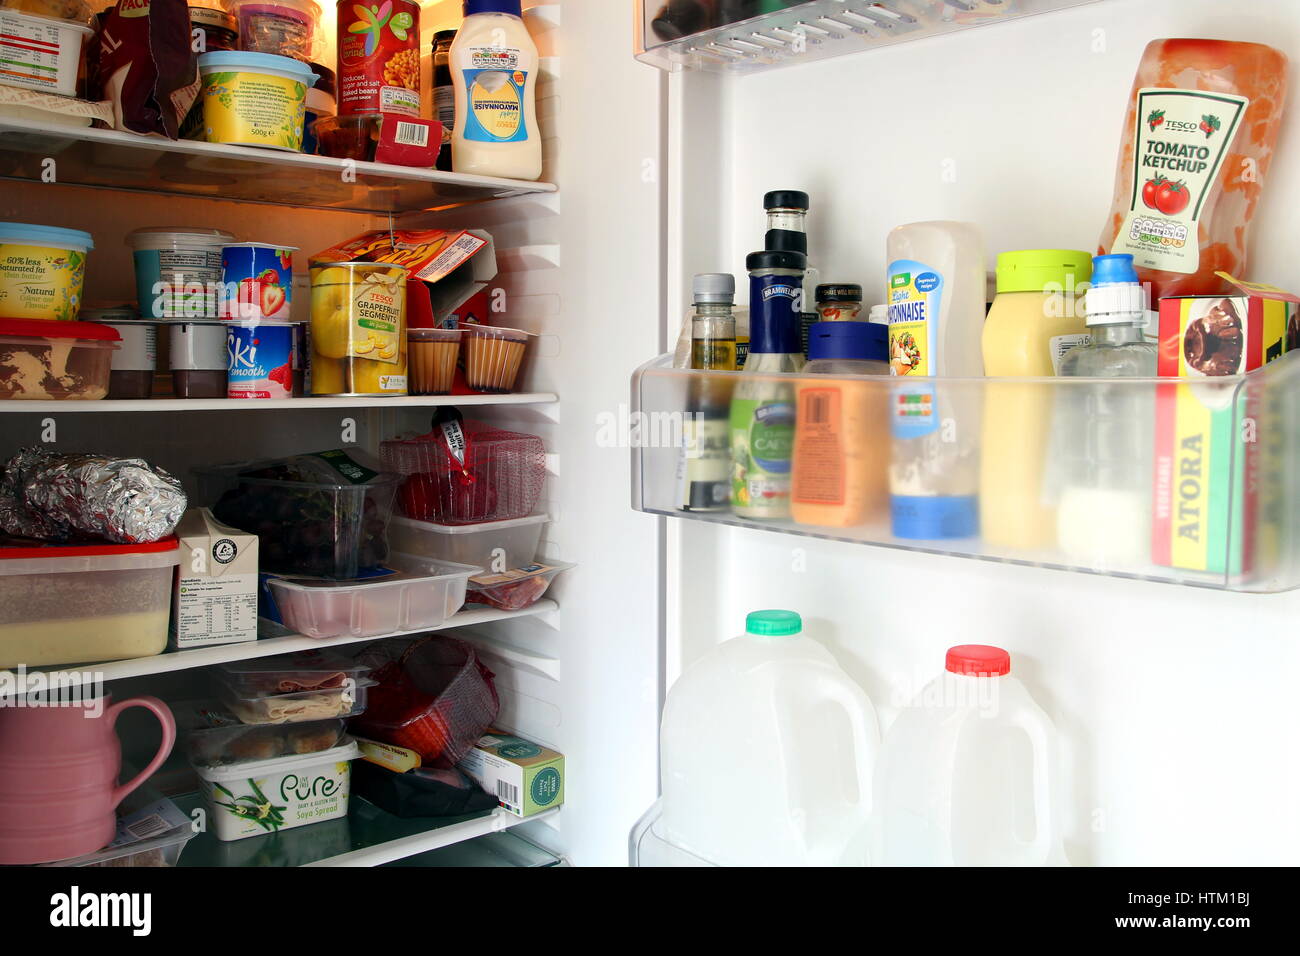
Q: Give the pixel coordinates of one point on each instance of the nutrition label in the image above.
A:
(217, 610)
(29, 54)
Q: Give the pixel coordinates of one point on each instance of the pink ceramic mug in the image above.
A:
(58, 776)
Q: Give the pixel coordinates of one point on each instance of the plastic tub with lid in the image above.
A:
(44, 360)
(496, 545)
(254, 99)
(418, 594)
(42, 268)
(290, 688)
(177, 270)
(68, 604)
(41, 44)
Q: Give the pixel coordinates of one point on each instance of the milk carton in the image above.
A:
(215, 599)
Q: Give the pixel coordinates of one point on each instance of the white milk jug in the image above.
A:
(967, 774)
(767, 748)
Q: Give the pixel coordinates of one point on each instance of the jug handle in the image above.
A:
(1029, 722)
(866, 735)
(168, 722)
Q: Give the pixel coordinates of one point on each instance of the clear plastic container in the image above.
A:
(491, 544)
(290, 688)
(317, 525)
(493, 357)
(280, 27)
(420, 594)
(347, 137)
(237, 744)
(47, 359)
(152, 836)
(62, 604)
(507, 470)
(432, 356)
(516, 589)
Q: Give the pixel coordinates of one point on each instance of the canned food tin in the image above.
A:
(379, 58)
(358, 328)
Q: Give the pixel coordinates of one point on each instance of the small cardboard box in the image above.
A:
(1205, 505)
(215, 599)
(526, 778)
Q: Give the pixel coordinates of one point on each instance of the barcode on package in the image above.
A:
(818, 408)
(507, 793)
(150, 826)
(411, 134)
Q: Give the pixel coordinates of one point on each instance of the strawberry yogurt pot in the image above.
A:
(261, 358)
(257, 279)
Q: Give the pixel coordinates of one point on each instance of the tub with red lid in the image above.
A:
(47, 359)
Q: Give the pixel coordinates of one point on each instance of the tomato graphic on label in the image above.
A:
(1149, 190)
(1209, 125)
(1157, 118)
(1172, 198)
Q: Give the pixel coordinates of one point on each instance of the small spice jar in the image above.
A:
(839, 302)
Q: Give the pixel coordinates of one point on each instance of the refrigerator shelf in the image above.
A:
(276, 404)
(72, 675)
(799, 32)
(1225, 451)
(110, 159)
(367, 836)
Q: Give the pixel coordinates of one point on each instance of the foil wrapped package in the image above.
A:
(54, 496)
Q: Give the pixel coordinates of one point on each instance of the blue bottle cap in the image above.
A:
(1113, 270)
(859, 341)
(511, 7)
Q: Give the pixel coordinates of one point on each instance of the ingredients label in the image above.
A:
(254, 109)
(822, 459)
(1180, 144)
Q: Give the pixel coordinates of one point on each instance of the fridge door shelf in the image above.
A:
(110, 159)
(744, 39)
(647, 846)
(1218, 463)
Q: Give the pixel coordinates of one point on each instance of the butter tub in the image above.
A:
(42, 271)
(254, 99)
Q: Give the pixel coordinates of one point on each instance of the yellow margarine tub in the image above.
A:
(254, 99)
(42, 271)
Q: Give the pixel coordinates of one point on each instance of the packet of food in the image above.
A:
(141, 61)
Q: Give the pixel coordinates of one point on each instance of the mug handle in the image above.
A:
(168, 722)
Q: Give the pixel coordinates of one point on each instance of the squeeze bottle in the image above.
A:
(494, 78)
(767, 749)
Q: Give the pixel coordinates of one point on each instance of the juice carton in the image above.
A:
(216, 588)
(526, 778)
(1205, 504)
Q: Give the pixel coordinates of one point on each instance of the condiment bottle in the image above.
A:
(841, 448)
(444, 94)
(704, 467)
(1037, 316)
(838, 303)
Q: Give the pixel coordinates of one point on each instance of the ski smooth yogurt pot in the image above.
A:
(254, 99)
(258, 280)
(260, 358)
(42, 271)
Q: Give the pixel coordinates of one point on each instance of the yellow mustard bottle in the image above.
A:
(1037, 316)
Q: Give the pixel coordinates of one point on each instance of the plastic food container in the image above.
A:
(41, 359)
(320, 103)
(323, 527)
(41, 53)
(358, 328)
(105, 602)
(252, 796)
(290, 688)
(260, 358)
(177, 271)
(258, 280)
(514, 590)
(283, 27)
(432, 360)
(42, 268)
(347, 137)
(153, 836)
(133, 363)
(198, 358)
(491, 544)
(507, 470)
(493, 357)
(254, 99)
(421, 594)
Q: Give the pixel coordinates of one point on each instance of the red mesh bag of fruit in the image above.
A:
(434, 696)
(466, 472)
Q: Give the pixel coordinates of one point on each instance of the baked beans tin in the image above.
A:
(379, 57)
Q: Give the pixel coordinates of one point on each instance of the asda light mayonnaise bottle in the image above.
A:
(494, 78)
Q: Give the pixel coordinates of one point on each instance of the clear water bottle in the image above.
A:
(1105, 433)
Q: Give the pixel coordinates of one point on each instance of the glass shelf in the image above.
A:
(746, 36)
(1211, 468)
(110, 159)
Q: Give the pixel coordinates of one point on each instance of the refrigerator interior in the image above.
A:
(581, 679)
(1177, 728)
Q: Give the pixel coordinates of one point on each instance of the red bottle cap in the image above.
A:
(978, 659)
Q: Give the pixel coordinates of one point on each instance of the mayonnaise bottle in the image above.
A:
(494, 78)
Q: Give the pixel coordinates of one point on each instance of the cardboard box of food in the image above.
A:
(526, 778)
(215, 599)
(1205, 505)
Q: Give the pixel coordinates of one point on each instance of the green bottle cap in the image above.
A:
(1032, 270)
(773, 623)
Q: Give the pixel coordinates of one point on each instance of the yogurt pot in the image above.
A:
(41, 53)
(133, 363)
(257, 280)
(177, 271)
(42, 271)
(254, 99)
(260, 358)
(198, 358)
